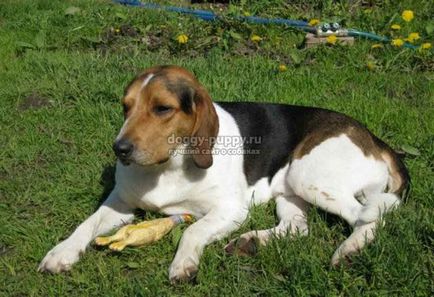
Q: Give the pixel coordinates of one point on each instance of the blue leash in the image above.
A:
(207, 15)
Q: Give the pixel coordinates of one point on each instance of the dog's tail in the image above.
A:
(399, 179)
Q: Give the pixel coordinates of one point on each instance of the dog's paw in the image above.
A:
(340, 258)
(182, 271)
(59, 259)
(243, 246)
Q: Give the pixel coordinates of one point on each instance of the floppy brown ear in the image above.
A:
(205, 128)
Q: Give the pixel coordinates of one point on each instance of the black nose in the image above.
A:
(123, 148)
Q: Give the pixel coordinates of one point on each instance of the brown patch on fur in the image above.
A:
(363, 139)
(395, 178)
(399, 178)
(205, 128)
(327, 196)
(326, 124)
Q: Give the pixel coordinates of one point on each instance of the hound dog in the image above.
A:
(178, 152)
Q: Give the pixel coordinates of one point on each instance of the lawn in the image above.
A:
(62, 74)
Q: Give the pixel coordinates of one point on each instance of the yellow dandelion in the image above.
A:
(412, 37)
(395, 27)
(282, 68)
(313, 22)
(407, 15)
(117, 30)
(182, 38)
(377, 45)
(426, 45)
(256, 38)
(371, 65)
(398, 42)
(331, 39)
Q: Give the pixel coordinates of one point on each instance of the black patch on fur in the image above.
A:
(185, 93)
(280, 128)
(272, 125)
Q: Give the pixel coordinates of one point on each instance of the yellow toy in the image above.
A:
(142, 233)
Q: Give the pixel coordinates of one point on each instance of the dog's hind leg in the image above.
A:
(291, 213)
(364, 229)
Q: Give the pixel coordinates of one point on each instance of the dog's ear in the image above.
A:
(205, 128)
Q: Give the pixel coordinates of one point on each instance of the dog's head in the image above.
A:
(162, 105)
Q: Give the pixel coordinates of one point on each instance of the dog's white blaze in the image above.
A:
(122, 131)
(146, 80)
(144, 84)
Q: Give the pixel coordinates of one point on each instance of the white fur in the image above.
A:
(122, 131)
(219, 197)
(146, 80)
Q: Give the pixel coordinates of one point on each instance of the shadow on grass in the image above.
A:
(107, 180)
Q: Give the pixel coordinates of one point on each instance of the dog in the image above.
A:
(180, 153)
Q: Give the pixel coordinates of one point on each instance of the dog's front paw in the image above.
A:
(59, 259)
(183, 270)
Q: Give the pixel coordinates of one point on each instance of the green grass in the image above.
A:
(61, 82)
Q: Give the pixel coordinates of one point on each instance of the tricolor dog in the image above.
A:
(178, 152)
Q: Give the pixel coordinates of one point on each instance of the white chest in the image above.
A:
(164, 190)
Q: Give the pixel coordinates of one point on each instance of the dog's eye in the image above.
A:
(162, 110)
